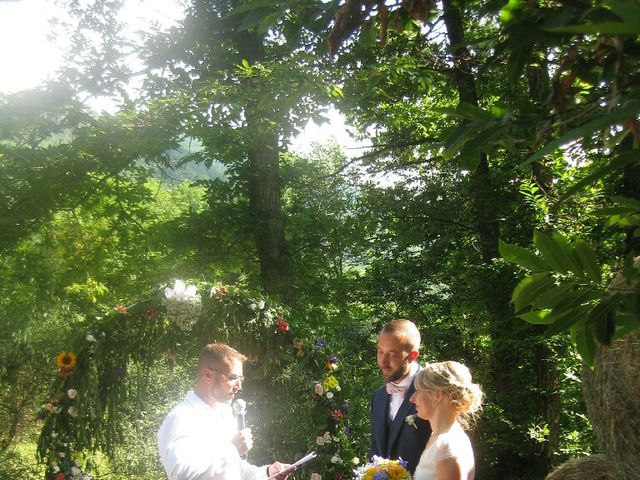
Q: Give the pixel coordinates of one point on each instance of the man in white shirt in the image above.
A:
(396, 431)
(199, 438)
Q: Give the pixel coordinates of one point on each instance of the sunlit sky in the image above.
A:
(28, 55)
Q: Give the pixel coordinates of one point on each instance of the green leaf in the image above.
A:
(623, 221)
(601, 317)
(588, 259)
(625, 9)
(566, 320)
(552, 251)
(469, 155)
(628, 111)
(607, 211)
(253, 18)
(553, 296)
(529, 288)
(616, 164)
(537, 317)
(522, 256)
(368, 34)
(627, 202)
(456, 139)
(572, 262)
(254, 5)
(575, 298)
(608, 28)
(467, 111)
(269, 21)
(585, 343)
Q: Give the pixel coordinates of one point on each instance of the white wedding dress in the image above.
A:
(454, 443)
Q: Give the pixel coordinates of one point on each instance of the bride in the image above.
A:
(446, 396)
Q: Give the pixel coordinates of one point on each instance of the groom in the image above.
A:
(396, 431)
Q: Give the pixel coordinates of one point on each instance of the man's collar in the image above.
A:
(196, 400)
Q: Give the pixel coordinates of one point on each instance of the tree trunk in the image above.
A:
(263, 181)
(482, 183)
(548, 374)
(265, 204)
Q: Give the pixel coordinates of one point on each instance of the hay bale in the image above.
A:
(593, 467)
(612, 395)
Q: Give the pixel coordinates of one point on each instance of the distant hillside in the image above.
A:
(188, 162)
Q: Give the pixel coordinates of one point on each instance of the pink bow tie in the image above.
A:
(393, 389)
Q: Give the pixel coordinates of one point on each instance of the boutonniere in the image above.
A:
(411, 420)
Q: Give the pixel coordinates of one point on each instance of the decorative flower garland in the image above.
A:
(178, 318)
(334, 440)
(72, 415)
(60, 409)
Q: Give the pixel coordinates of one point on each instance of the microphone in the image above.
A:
(239, 409)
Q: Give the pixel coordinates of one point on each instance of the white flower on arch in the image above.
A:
(181, 292)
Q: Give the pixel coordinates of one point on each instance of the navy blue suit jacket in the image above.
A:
(399, 439)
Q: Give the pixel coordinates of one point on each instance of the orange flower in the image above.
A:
(66, 360)
(120, 308)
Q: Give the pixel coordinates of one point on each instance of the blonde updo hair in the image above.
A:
(454, 379)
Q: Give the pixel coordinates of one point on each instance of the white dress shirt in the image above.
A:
(194, 442)
(396, 400)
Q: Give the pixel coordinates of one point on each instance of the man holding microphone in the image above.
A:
(199, 438)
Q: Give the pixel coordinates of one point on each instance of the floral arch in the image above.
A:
(83, 414)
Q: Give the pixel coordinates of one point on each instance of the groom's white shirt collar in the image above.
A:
(395, 401)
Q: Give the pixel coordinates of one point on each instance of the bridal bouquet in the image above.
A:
(383, 469)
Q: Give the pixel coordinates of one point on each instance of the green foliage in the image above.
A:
(401, 231)
(568, 294)
(19, 464)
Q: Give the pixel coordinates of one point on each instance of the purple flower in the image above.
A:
(380, 476)
(333, 359)
(347, 431)
(345, 408)
(320, 343)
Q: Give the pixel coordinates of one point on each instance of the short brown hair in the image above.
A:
(406, 331)
(218, 355)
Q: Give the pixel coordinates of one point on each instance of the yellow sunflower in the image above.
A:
(66, 360)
